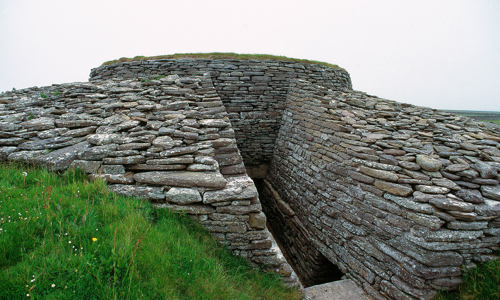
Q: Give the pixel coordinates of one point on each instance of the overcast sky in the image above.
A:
(440, 54)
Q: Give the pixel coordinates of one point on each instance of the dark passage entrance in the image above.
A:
(310, 265)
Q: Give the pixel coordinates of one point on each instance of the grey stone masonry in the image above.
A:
(399, 197)
(253, 91)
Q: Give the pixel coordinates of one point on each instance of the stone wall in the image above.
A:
(253, 92)
(167, 140)
(398, 197)
(312, 266)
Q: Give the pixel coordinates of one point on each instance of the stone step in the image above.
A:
(336, 290)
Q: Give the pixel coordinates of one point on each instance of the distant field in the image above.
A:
(490, 116)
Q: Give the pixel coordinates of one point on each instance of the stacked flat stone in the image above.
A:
(253, 91)
(167, 140)
(399, 197)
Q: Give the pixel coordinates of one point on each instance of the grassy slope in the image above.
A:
(48, 224)
(65, 238)
(480, 283)
(222, 55)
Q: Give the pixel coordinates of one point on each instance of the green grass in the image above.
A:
(63, 237)
(483, 116)
(480, 283)
(222, 55)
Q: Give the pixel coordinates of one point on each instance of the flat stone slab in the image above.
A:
(61, 159)
(182, 179)
(339, 290)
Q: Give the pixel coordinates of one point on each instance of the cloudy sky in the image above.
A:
(440, 54)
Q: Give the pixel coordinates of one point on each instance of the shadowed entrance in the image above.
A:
(295, 242)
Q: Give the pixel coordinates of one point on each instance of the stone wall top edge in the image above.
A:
(223, 60)
(301, 84)
(243, 61)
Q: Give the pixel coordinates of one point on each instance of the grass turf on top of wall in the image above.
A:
(222, 55)
(62, 237)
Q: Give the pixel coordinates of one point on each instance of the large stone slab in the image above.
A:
(237, 188)
(340, 290)
(148, 192)
(393, 188)
(39, 124)
(492, 192)
(428, 163)
(61, 159)
(182, 179)
(183, 196)
(451, 204)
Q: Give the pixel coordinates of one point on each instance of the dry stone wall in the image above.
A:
(167, 140)
(399, 197)
(253, 92)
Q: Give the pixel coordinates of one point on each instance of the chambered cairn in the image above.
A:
(398, 198)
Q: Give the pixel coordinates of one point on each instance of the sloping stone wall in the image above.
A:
(253, 91)
(399, 197)
(167, 140)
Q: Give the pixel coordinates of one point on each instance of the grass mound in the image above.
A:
(62, 237)
(222, 55)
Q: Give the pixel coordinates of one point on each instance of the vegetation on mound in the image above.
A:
(222, 55)
(480, 283)
(62, 237)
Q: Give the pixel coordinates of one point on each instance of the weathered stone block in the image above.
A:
(87, 166)
(393, 188)
(432, 222)
(126, 160)
(237, 188)
(61, 159)
(492, 192)
(153, 193)
(182, 179)
(257, 221)
(380, 174)
(450, 204)
(113, 169)
(183, 196)
(39, 124)
(104, 139)
(428, 163)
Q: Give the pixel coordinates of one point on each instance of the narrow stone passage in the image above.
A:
(311, 266)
